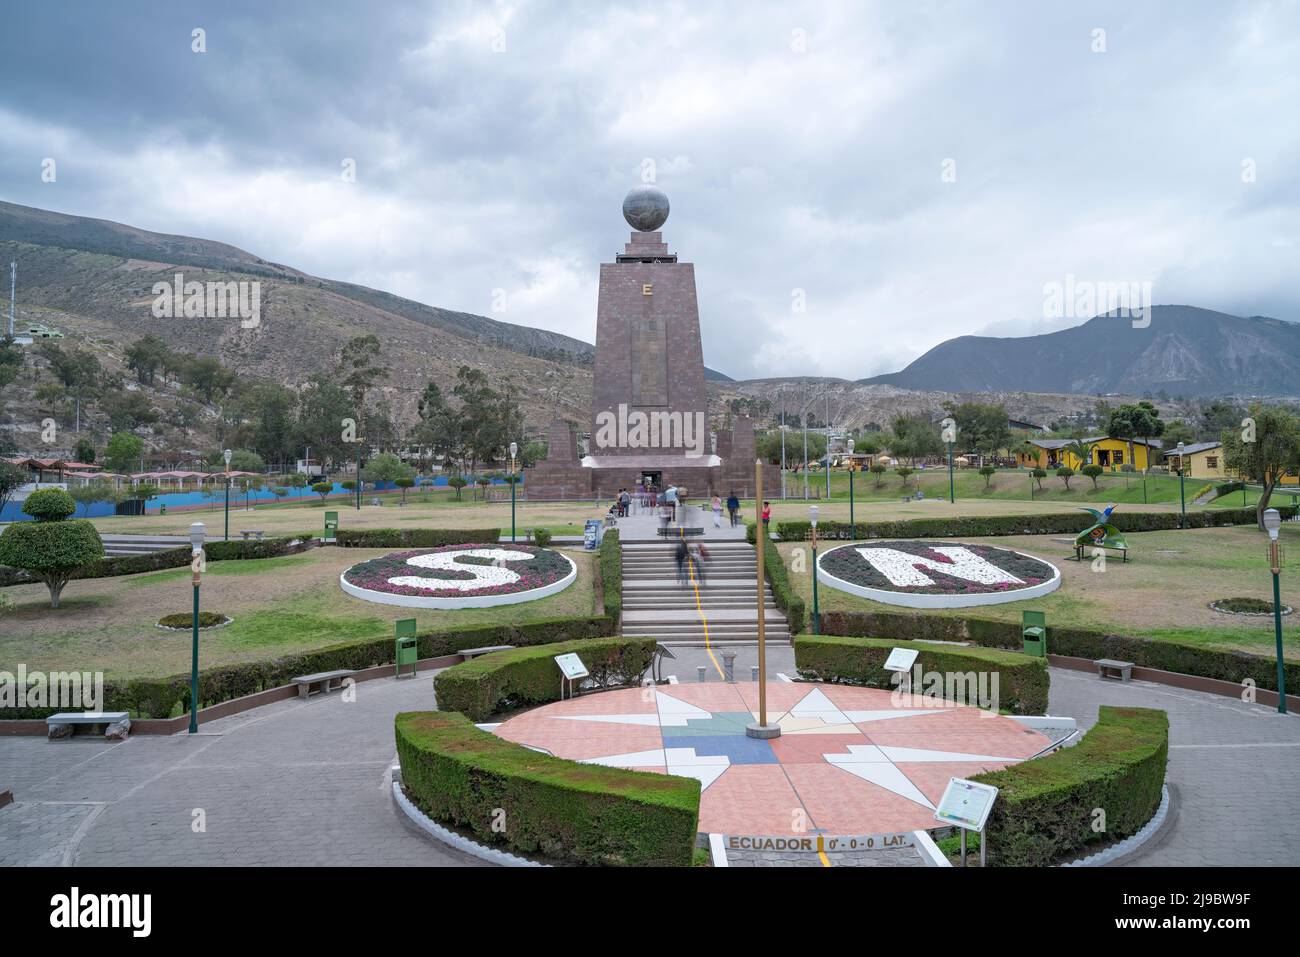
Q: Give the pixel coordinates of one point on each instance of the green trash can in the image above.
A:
(406, 652)
(331, 525)
(1033, 630)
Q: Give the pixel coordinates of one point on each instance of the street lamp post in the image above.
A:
(1182, 494)
(760, 728)
(816, 618)
(514, 450)
(853, 526)
(949, 439)
(197, 534)
(1272, 524)
(227, 455)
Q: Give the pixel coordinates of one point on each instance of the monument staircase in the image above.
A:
(718, 606)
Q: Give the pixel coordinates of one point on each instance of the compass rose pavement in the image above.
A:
(848, 761)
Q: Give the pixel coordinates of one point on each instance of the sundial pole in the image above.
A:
(761, 729)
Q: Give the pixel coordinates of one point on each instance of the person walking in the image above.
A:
(733, 507)
(767, 516)
(717, 510)
(670, 499)
(624, 501)
(682, 554)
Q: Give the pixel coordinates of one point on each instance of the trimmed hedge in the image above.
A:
(1063, 523)
(1164, 655)
(783, 593)
(171, 558)
(609, 567)
(158, 697)
(1046, 808)
(1022, 679)
(415, 537)
(527, 676)
(537, 804)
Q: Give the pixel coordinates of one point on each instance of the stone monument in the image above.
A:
(649, 417)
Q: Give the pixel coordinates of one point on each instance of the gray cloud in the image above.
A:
(812, 172)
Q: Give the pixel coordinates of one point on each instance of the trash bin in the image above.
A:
(406, 652)
(162, 509)
(1033, 630)
(331, 525)
(591, 533)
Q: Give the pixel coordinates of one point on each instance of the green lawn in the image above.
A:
(278, 606)
(1162, 592)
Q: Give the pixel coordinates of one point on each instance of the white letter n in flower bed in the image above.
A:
(902, 571)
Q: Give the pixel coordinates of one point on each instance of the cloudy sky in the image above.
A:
(905, 172)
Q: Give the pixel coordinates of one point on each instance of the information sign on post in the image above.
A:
(571, 669)
(966, 805)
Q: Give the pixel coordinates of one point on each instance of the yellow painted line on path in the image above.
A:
(821, 851)
(690, 564)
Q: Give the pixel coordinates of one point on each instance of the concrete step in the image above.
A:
(674, 616)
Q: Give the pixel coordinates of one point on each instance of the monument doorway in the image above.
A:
(652, 479)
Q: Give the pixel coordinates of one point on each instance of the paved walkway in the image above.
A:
(306, 782)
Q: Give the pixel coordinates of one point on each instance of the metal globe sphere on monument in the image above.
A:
(646, 208)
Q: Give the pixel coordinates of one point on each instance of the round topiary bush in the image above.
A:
(51, 549)
(1251, 607)
(50, 505)
(185, 620)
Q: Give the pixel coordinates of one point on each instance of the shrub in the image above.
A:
(783, 593)
(1045, 807)
(415, 537)
(1093, 472)
(982, 526)
(988, 472)
(570, 812)
(1065, 473)
(51, 549)
(528, 676)
(50, 505)
(542, 536)
(1161, 654)
(207, 619)
(1022, 680)
(609, 567)
(903, 473)
(322, 489)
(1039, 475)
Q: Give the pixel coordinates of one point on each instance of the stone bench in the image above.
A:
(116, 724)
(248, 533)
(1109, 668)
(328, 681)
(467, 653)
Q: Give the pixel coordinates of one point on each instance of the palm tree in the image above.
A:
(1081, 449)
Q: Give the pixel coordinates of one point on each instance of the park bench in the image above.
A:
(1078, 550)
(467, 653)
(327, 681)
(248, 533)
(1109, 668)
(96, 721)
(673, 531)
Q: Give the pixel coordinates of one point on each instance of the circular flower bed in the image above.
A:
(185, 621)
(461, 576)
(920, 574)
(1249, 607)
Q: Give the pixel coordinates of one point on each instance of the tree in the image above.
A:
(386, 467)
(129, 410)
(1065, 473)
(323, 489)
(1140, 421)
(988, 472)
(457, 482)
(1081, 450)
(322, 408)
(404, 484)
(123, 452)
(241, 460)
(84, 452)
(298, 481)
(77, 371)
(92, 492)
(145, 357)
(11, 361)
(903, 472)
(1039, 475)
(878, 471)
(1264, 454)
(981, 427)
(359, 368)
(11, 477)
(1217, 415)
(279, 492)
(51, 548)
(915, 437)
(207, 377)
(1093, 472)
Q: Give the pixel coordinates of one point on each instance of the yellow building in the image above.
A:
(1108, 452)
(1205, 461)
